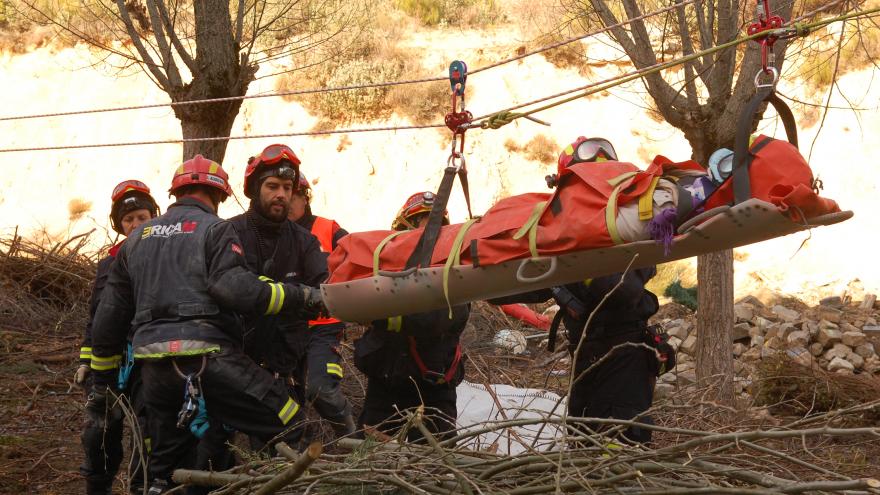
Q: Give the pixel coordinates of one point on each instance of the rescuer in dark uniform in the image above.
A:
(277, 248)
(132, 205)
(322, 370)
(181, 280)
(413, 359)
(621, 386)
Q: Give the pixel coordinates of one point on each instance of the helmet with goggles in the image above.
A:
(415, 205)
(583, 150)
(129, 196)
(276, 160)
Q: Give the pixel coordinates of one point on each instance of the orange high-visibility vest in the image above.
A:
(323, 230)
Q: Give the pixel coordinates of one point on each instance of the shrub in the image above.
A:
(462, 13)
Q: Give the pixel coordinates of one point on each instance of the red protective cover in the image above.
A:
(573, 218)
(779, 175)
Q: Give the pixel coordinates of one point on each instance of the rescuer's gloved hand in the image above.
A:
(306, 302)
(101, 406)
(82, 373)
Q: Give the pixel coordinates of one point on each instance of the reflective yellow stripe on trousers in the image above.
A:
(288, 411)
(334, 369)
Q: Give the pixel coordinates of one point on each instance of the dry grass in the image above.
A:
(77, 208)
(458, 13)
(376, 57)
(539, 149)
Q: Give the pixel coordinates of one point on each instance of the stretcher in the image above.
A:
(535, 241)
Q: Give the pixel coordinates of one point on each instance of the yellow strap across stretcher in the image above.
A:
(646, 201)
(454, 258)
(379, 249)
(611, 208)
(531, 226)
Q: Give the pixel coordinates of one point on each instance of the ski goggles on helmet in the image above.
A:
(274, 153)
(587, 150)
(127, 186)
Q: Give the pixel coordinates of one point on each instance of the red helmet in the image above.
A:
(580, 151)
(274, 154)
(417, 203)
(201, 171)
(128, 196)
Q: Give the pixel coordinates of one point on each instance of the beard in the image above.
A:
(275, 211)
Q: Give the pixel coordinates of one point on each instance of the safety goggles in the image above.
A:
(274, 153)
(282, 172)
(125, 187)
(590, 149)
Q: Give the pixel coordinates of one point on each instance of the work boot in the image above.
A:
(345, 428)
(158, 487)
(99, 487)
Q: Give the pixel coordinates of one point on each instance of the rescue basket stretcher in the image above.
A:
(601, 219)
(417, 290)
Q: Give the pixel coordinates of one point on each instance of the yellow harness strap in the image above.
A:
(611, 208)
(379, 249)
(646, 201)
(454, 258)
(531, 226)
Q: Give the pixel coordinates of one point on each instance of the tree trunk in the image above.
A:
(221, 73)
(209, 126)
(715, 323)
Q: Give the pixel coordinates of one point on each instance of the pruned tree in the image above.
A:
(205, 49)
(704, 100)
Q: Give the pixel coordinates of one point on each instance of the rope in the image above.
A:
(196, 140)
(506, 116)
(343, 88)
(489, 121)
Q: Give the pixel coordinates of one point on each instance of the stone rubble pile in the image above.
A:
(839, 335)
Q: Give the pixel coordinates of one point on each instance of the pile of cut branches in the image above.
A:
(45, 285)
(726, 460)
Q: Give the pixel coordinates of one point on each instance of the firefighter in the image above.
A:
(622, 385)
(181, 280)
(322, 370)
(414, 359)
(132, 205)
(278, 248)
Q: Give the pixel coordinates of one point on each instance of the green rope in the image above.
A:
(499, 119)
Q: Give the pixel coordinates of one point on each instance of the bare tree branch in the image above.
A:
(142, 51)
(165, 54)
(175, 39)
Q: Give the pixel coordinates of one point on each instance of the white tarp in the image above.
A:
(477, 406)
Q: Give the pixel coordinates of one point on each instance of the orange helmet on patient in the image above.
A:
(582, 150)
(415, 210)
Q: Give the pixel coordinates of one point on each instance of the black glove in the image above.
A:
(306, 302)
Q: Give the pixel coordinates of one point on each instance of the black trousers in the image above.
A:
(102, 441)
(239, 395)
(320, 371)
(386, 400)
(621, 387)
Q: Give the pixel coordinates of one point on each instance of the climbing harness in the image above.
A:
(193, 413)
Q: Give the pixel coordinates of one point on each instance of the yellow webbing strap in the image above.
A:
(611, 208)
(379, 249)
(531, 226)
(454, 258)
(395, 323)
(646, 201)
